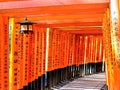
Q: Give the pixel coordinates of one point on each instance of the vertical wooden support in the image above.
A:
(75, 53)
(66, 57)
(81, 54)
(109, 54)
(5, 54)
(4, 67)
(101, 49)
(85, 55)
(89, 52)
(50, 51)
(20, 63)
(30, 41)
(44, 54)
(1, 73)
(25, 60)
(39, 47)
(96, 52)
(49, 58)
(14, 56)
(33, 60)
(36, 51)
(115, 28)
(96, 49)
(115, 34)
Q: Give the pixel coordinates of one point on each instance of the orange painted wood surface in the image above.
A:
(14, 70)
(20, 65)
(4, 70)
(70, 43)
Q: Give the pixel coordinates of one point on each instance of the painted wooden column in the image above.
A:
(20, 65)
(109, 55)
(4, 67)
(85, 54)
(115, 40)
(115, 29)
(14, 55)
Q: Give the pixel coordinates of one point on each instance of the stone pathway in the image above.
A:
(89, 82)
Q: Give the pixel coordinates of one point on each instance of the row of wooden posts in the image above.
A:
(45, 58)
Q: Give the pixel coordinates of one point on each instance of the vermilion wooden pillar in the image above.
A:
(14, 56)
(4, 67)
(20, 65)
(115, 29)
(112, 45)
(107, 45)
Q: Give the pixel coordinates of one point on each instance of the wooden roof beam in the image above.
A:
(64, 17)
(38, 12)
(43, 4)
(71, 24)
(84, 32)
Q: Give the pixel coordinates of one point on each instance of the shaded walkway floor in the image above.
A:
(89, 82)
